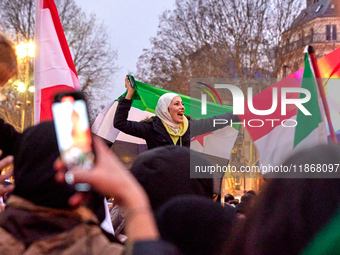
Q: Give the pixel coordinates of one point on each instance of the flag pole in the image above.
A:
(322, 93)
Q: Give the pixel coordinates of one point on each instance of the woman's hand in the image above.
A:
(7, 161)
(129, 88)
(110, 178)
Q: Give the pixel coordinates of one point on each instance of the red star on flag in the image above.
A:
(199, 138)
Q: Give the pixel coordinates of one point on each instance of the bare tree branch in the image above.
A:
(94, 59)
(216, 38)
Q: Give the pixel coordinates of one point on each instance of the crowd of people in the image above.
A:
(158, 208)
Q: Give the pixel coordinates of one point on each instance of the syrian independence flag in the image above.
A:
(283, 134)
(126, 147)
(54, 70)
(218, 143)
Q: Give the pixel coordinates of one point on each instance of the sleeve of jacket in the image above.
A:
(202, 126)
(9, 139)
(121, 122)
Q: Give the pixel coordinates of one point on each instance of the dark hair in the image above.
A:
(164, 173)
(247, 198)
(195, 224)
(228, 197)
(287, 214)
(252, 192)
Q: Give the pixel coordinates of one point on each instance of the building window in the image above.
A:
(311, 35)
(331, 33)
(328, 32)
(285, 70)
(287, 45)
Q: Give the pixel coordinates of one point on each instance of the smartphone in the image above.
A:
(131, 80)
(73, 132)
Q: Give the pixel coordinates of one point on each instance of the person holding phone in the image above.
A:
(41, 216)
(170, 126)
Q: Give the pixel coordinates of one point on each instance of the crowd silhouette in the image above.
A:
(160, 209)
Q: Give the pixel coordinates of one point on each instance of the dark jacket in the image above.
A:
(9, 139)
(154, 131)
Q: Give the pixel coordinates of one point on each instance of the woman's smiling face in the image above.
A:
(176, 110)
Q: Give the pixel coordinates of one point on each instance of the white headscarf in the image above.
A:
(162, 110)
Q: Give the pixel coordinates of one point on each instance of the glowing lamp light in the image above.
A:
(25, 50)
(31, 89)
(21, 86)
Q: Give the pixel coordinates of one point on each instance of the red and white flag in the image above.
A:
(54, 70)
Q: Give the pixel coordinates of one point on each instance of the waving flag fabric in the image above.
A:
(218, 143)
(54, 70)
(329, 67)
(281, 134)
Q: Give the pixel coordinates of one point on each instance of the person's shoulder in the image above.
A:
(151, 119)
(10, 243)
(147, 120)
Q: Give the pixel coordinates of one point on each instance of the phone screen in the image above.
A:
(73, 132)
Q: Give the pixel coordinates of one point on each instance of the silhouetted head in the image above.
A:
(287, 214)
(164, 173)
(228, 198)
(195, 224)
(34, 173)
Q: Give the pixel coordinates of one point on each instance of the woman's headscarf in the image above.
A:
(162, 110)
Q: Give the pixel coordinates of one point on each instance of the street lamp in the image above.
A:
(21, 87)
(24, 51)
(31, 89)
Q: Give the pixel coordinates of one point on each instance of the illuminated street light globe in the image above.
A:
(31, 89)
(25, 50)
(20, 86)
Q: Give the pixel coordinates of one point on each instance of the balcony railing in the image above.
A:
(316, 38)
